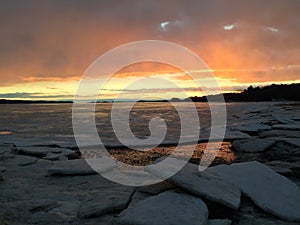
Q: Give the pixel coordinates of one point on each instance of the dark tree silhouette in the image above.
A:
(274, 92)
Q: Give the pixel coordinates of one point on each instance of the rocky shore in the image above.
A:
(254, 180)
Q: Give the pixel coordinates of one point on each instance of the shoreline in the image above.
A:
(13, 160)
(49, 183)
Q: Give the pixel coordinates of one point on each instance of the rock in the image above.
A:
(219, 222)
(260, 111)
(26, 161)
(72, 167)
(137, 197)
(13, 147)
(295, 118)
(270, 191)
(62, 158)
(252, 145)
(284, 120)
(51, 156)
(280, 133)
(292, 141)
(37, 151)
(108, 219)
(282, 164)
(41, 211)
(295, 171)
(252, 117)
(284, 168)
(234, 135)
(252, 127)
(271, 122)
(53, 218)
(55, 150)
(131, 176)
(67, 208)
(286, 127)
(250, 214)
(204, 184)
(2, 169)
(4, 149)
(282, 151)
(252, 220)
(108, 201)
(47, 152)
(80, 167)
(155, 189)
(279, 120)
(67, 152)
(166, 208)
(6, 155)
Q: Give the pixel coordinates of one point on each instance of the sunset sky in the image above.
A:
(46, 46)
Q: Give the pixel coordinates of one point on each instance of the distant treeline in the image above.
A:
(6, 101)
(274, 92)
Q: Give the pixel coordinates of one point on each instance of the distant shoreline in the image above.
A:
(7, 101)
(28, 102)
(271, 93)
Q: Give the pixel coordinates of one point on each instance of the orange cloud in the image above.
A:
(57, 41)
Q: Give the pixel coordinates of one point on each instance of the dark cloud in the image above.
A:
(40, 39)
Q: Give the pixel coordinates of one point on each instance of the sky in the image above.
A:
(46, 46)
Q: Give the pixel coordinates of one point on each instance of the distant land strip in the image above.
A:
(274, 92)
(8, 101)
